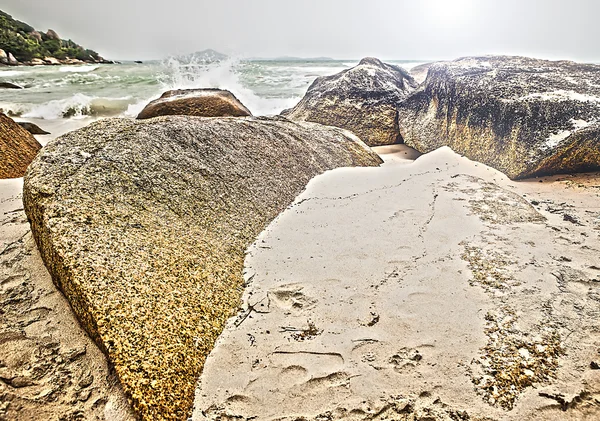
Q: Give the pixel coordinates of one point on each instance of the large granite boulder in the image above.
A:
(36, 35)
(362, 99)
(522, 116)
(12, 60)
(52, 61)
(143, 225)
(51, 34)
(17, 148)
(3, 57)
(196, 102)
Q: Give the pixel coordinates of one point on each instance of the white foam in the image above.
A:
(10, 73)
(221, 75)
(79, 106)
(78, 69)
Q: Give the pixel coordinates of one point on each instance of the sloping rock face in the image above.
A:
(362, 99)
(17, 148)
(9, 85)
(143, 225)
(522, 116)
(196, 102)
(32, 128)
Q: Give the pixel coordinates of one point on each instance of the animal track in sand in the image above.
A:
(405, 358)
(291, 298)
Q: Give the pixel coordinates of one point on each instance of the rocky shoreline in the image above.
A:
(51, 61)
(8, 60)
(436, 288)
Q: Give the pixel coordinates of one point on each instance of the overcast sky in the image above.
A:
(344, 29)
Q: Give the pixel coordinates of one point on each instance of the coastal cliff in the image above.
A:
(21, 44)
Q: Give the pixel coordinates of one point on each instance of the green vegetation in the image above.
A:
(25, 43)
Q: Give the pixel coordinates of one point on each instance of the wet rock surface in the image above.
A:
(17, 148)
(362, 99)
(32, 128)
(143, 226)
(522, 116)
(196, 102)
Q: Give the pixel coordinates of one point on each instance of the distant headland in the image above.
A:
(21, 44)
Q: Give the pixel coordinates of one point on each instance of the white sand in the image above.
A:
(359, 303)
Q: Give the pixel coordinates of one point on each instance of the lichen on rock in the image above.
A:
(522, 116)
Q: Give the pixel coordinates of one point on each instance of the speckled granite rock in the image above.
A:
(362, 99)
(196, 102)
(17, 148)
(522, 116)
(143, 225)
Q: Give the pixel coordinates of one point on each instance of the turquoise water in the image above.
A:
(266, 87)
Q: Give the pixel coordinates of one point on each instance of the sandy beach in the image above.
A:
(381, 293)
(431, 288)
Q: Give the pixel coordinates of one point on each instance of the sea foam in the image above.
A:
(78, 106)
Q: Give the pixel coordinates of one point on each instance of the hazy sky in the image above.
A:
(394, 29)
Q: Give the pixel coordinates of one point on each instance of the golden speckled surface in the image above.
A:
(143, 225)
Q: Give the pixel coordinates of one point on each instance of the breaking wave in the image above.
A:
(77, 106)
(266, 87)
(78, 69)
(226, 74)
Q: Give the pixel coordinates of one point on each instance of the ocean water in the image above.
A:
(64, 97)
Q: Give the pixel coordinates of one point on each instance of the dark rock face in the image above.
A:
(362, 99)
(522, 116)
(32, 128)
(9, 85)
(196, 102)
(17, 148)
(143, 225)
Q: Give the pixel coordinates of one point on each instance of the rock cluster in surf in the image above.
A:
(143, 225)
